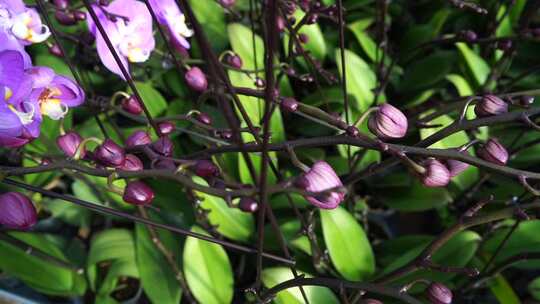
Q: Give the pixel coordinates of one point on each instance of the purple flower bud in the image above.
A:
(455, 167)
(204, 118)
(289, 104)
(303, 38)
(436, 175)
(138, 193)
(312, 19)
(132, 105)
(138, 138)
(196, 79)
(247, 204)
(227, 3)
(352, 131)
(55, 50)
(132, 163)
(166, 127)
(165, 164)
(526, 100)
(110, 154)
(490, 105)
(259, 82)
(319, 178)
(206, 168)
(61, 4)
(17, 211)
(65, 18)
(437, 293)
(69, 143)
(494, 152)
(469, 36)
(226, 134)
(163, 146)
(388, 122)
(235, 61)
(280, 23)
(504, 45)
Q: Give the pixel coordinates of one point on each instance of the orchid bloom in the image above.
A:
(53, 94)
(22, 22)
(19, 123)
(169, 15)
(128, 25)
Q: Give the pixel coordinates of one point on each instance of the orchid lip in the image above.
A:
(25, 117)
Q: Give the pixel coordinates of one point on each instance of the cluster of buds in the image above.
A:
(65, 16)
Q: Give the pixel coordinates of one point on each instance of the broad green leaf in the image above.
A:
(231, 222)
(523, 239)
(37, 273)
(428, 71)
(240, 37)
(368, 45)
(461, 84)
(157, 277)
(152, 98)
(208, 271)
(390, 250)
(68, 212)
(315, 294)
(291, 232)
(348, 245)
(360, 79)
(502, 290)
(534, 288)
(212, 18)
(476, 66)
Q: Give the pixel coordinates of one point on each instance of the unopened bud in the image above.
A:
(437, 293)
(490, 105)
(436, 174)
(196, 79)
(388, 122)
(493, 151)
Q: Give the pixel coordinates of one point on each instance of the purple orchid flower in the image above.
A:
(128, 25)
(169, 15)
(22, 22)
(53, 94)
(19, 123)
(10, 43)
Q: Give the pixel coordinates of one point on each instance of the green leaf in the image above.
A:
(427, 71)
(476, 66)
(212, 18)
(37, 273)
(53, 62)
(347, 244)
(231, 222)
(360, 79)
(208, 271)
(523, 239)
(368, 45)
(240, 37)
(157, 278)
(315, 294)
(461, 84)
(534, 288)
(153, 100)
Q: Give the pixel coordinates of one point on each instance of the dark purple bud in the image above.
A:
(388, 122)
(319, 178)
(227, 3)
(110, 154)
(204, 118)
(493, 151)
(235, 61)
(290, 7)
(165, 164)
(259, 82)
(455, 167)
(371, 301)
(65, 18)
(196, 79)
(104, 2)
(303, 38)
(61, 4)
(289, 104)
(132, 163)
(526, 100)
(55, 50)
(280, 21)
(436, 174)
(163, 146)
(504, 45)
(469, 36)
(69, 143)
(166, 127)
(352, 131)
(312, 19)
(132, 105)
(138, 138)
(290, 71)
(206, 168)
(225, 134)
(80, 15)
(437, 293)
(247, 204)
(17, 211)
(490, 105)
(138, 193)
(45, 161)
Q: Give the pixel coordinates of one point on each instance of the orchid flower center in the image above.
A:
(7, 93)
(25, 27)
(24, 117)
(130, 42)
(179, 25)
(51, 106)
